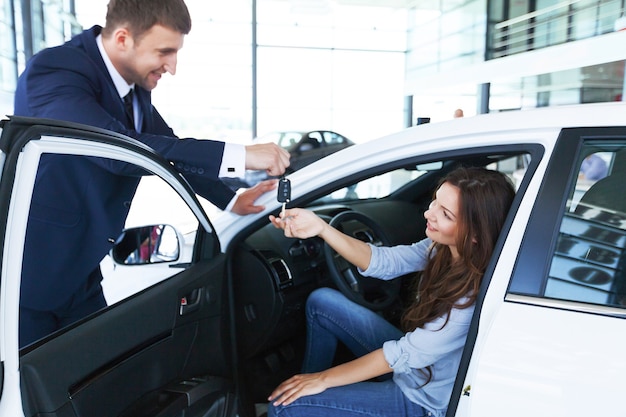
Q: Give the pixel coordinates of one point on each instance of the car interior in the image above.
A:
(273, 275)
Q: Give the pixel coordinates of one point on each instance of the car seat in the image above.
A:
(608, 192)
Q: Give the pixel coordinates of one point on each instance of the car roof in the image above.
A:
(514, 127)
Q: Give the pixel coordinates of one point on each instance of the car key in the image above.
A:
(284, 192)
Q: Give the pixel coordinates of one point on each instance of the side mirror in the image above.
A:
(147, 245)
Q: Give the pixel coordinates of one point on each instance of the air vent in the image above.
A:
(281, 272)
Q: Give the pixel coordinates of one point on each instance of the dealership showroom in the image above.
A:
(364, 68)
(436, 226)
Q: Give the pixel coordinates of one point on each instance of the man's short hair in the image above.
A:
(139, 16)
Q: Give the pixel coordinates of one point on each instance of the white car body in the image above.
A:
(526, 355)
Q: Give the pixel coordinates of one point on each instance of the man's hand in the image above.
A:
(245, 201)
(268, 157)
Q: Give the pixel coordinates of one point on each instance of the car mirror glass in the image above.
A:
(146, 245)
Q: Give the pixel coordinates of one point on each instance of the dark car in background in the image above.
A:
(305, 147)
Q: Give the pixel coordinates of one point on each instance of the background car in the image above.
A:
(305, 147)
(214, 331)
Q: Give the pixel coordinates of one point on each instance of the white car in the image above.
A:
(212, 319)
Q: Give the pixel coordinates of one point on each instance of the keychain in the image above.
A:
(284, 192)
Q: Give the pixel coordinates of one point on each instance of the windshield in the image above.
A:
(384, 185)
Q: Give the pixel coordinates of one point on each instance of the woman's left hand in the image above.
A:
(296, 387)
(361, 369)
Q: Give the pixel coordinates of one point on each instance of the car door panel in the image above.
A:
(550, 341)
(149, 345)
(530, 350)
(160, 351)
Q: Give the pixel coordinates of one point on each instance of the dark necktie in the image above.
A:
(128, 107)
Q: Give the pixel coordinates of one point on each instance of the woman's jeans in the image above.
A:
(363, 399)
(331, 318)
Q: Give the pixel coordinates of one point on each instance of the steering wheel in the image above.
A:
(372, 293)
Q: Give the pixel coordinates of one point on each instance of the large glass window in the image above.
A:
(442, 38)
(525, 26)
(318, 66)
(8, 58)
(211, 94)
(330, 66)
(592, 84)
(341, 90)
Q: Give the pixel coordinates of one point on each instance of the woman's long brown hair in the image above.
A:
(485, 199)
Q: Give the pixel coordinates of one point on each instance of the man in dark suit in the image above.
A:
(80, 204)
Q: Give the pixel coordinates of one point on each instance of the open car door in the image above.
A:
(161, 346)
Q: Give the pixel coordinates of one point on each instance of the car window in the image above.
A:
(64, 245)
(588, 260)
(332, 138)
(287, 139)
(155, 204)
(379, 186)
(385, 184)
(312, 140)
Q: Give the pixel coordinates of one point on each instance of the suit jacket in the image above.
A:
(80, 203)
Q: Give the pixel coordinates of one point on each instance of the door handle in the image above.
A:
(191, 302)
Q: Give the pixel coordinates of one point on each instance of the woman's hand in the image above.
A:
(299, 223)
(296, 387)
(303, 224)
(364, 368)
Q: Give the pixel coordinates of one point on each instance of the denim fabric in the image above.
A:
(331, 318)
(364, 399)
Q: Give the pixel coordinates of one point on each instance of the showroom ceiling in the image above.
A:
(399, 4)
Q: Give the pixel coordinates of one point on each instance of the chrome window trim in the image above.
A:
(578, 307)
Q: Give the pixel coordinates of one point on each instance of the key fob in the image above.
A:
(284, 190)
